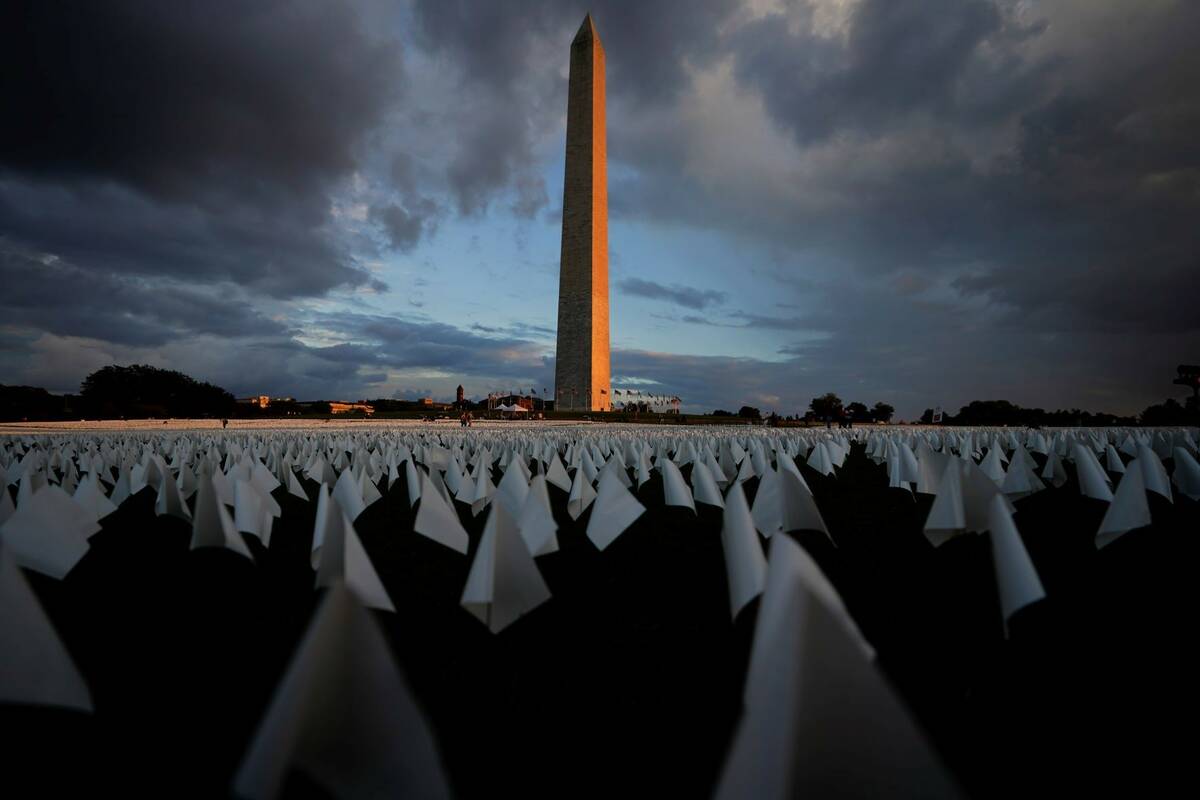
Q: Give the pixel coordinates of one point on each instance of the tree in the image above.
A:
(827, 405)
(882, 412)
(720, 412)
(927, 416)
(989, 412)
(1170, 412)
(857, 412)
(142, 390)
(749, 412)
(31, 402)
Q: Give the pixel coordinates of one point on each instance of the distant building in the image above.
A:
(338, 407)
(524, 401)
(264, 401)
(259, 401)
(461, 403)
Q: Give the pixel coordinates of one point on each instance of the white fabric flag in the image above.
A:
(413, 482)
(263, 479)
(512, 490)
(992, 466)
(8, 507)
(1021, 480)
(437, 519)
(320, 471)
(1092, 480)
(1186, 476)
(348, 495)
(295, 488)
(482, 489)
(798, 508)
(343, 558)
(1054, 470)
(48, 533)
(675, 488)
(211, 524)
(745, 565)
(122, 490)
(557, 475)
(536, 520)
(367, 488)
(819, 719)
(1154, 474)
(186, 482)
(1112, 460)
(251, 512)
(767, 509)
(344, 716)
(1016, 579)
(1128, 510)
(504, 583)
(705, 485)
(582, 495)
(947, 517)
(90, 496)
(615, 510)
(36, 668)
(170, 501)
(820, 460)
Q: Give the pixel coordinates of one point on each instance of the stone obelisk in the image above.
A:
(581, 376)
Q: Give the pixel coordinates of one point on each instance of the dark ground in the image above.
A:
(628, 681)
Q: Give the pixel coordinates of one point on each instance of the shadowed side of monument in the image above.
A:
(581, 377)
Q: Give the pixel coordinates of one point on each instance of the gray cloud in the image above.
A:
(405, 226)
(685, 296)
(62, 298)
(955, 198)
(198, 141)
(506, 54)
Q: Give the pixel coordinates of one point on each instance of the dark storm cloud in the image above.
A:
(110, 228)
(513, 92)
(1041, 162)
(958, 197)
(685, 296)
(189, 139)
(63, 299)
(648, 45)
(386, 341)
(900, 58)
(404, 226)
(1091, 214)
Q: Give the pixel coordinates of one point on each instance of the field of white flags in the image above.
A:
(598, 610)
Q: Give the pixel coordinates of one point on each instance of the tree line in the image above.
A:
(140, 390)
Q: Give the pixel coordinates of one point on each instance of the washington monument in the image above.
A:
(581, 375)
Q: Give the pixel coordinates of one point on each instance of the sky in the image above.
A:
(920, 202)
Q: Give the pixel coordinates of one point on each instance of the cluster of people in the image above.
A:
(464, 421)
